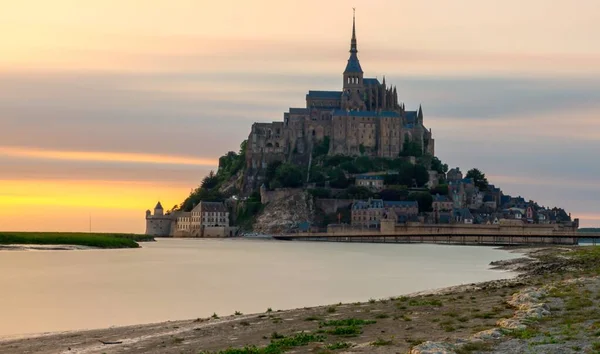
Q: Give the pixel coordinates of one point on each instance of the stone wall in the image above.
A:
(159, 226)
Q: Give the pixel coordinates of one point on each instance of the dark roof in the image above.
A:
(371, 81)
(411, 116)
(325, 94)
(212, 207)
(353, 65)
(341, 112)
(488, 198)
(441, 198)
(376, 177)
(368, 204)
(158, 206)
(298, 110)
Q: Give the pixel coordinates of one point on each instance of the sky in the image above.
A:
(107, 106)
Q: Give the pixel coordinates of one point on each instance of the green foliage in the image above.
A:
(322, 148)
(437, 165)
(347, 322)
(271, 172)
(323, 193)
(346, 331)
(441, 189)
(411, 148)
(424, 199)
(478, 178)
(210, 181)
(337, 179)
(421, 175)
(289, 176)
(357, 192)
(99, 240)
(362, 149)
(279, 345)
(394, 193)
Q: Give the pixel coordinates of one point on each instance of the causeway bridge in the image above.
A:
(493, 235)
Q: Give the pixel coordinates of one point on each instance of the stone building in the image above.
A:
(367, 213)
(365, 117)
(158, 224)
(373, 182)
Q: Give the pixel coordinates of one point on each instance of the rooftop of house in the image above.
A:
(367, 204)
(441, 198)
(370, 177)
(210, 207)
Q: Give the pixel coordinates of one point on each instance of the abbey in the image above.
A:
(364, 118)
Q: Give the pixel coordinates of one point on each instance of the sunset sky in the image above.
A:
(107, 106)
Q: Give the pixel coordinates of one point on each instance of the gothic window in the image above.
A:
(276, 145)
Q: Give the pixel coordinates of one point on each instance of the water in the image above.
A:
(174, 279)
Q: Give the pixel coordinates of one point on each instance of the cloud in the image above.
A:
(102, 156)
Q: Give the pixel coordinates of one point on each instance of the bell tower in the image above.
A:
(353, 76)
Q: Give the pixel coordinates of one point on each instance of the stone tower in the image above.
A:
(354, 93)
(158, 224)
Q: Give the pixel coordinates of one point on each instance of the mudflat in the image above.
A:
(552, 307)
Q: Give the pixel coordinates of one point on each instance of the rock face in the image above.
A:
(282, 214)
(433, 348)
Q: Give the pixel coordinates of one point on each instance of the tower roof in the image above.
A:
(353, 65)
(158, 206)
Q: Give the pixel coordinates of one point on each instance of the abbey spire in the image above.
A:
(353, 65)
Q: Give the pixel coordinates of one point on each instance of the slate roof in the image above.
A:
(158, 206)
(298, 110)
(353, 65)
(441, 198)
(341, 112)
(211, 207)
(369, 177)
(411, 117)
(488, 198)
(325, 94)
(371, 81)
(367, 204)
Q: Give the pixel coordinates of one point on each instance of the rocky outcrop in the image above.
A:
(282, 214)
(433, 348)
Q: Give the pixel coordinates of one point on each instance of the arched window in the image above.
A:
(314, 133)
(276, 145)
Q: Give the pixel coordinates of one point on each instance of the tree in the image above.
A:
(271, 171)
(478, 178)
(337, 179)
(395, 193)
(441, 189)
(420, 175)
(424, 199)
(321, 148)
(210, 181)
(289, 176)
(437, 165)
(358, 192)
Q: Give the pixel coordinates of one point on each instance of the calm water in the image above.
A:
(179, 279)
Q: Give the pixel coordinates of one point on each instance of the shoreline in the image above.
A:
(442, 318)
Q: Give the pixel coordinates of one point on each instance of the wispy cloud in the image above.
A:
(100, 156)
